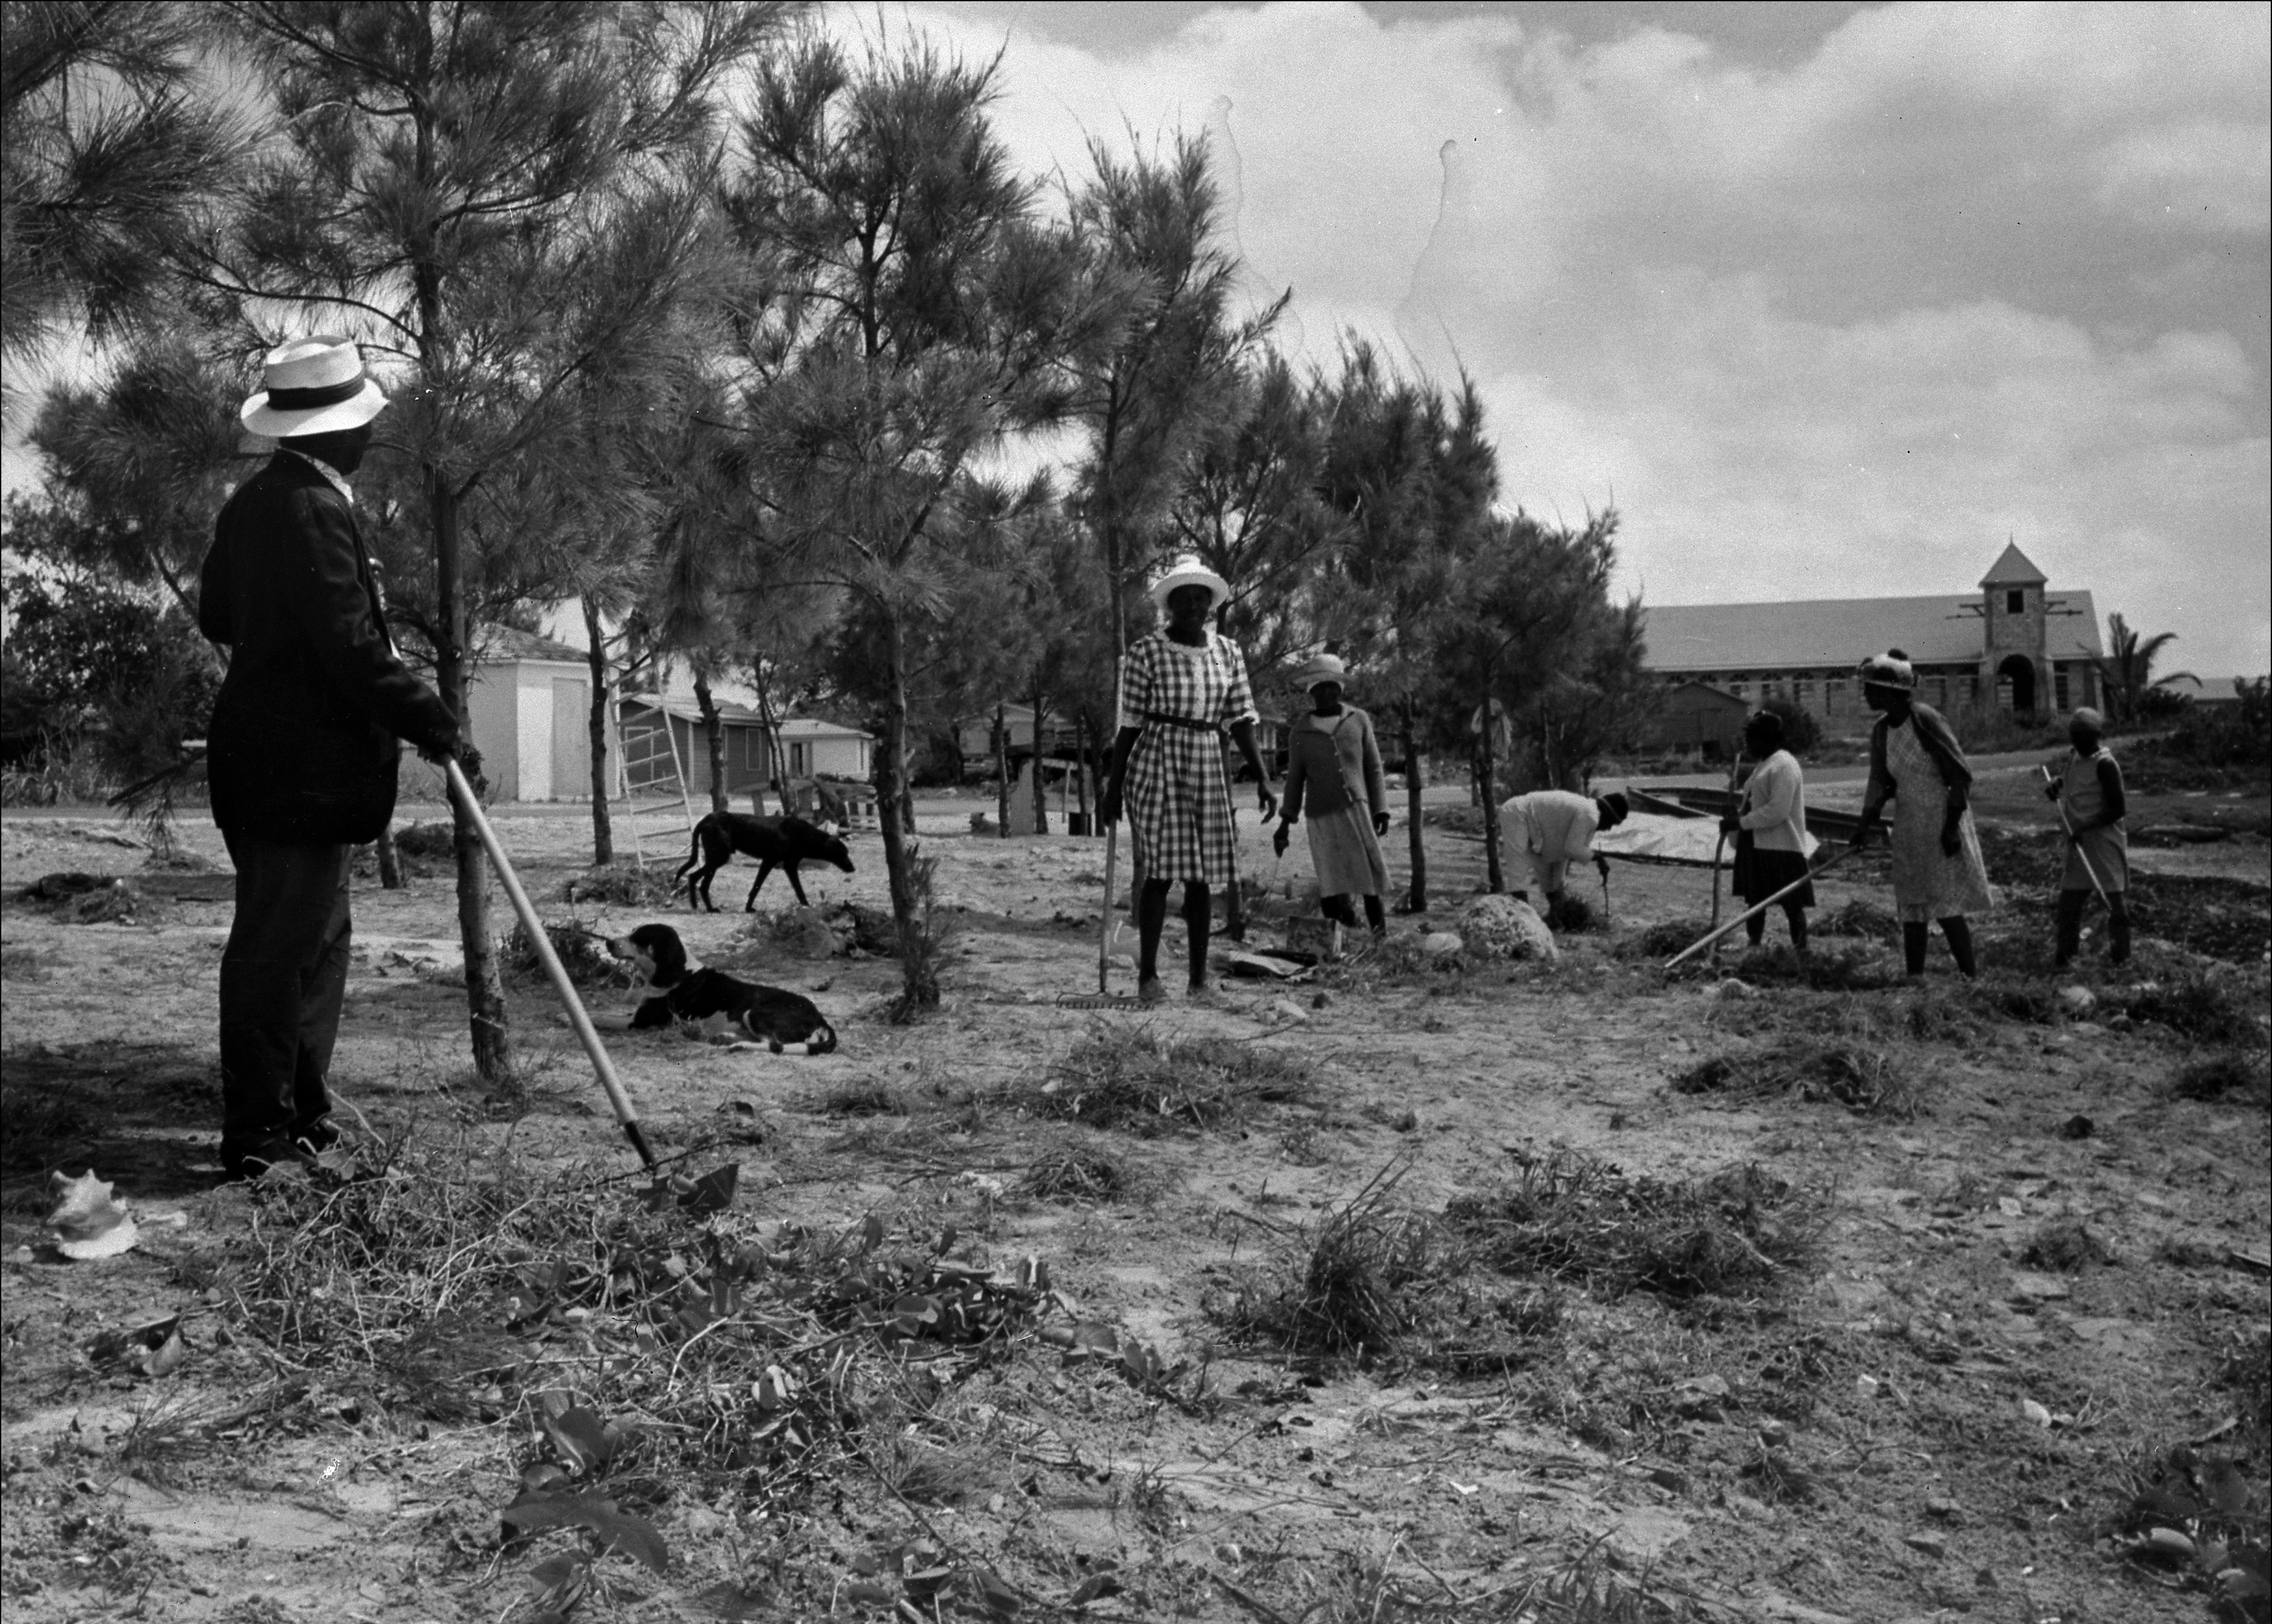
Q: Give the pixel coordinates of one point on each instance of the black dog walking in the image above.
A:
(301, 750)
(781, 842)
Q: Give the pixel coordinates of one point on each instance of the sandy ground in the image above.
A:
(1893, 1374)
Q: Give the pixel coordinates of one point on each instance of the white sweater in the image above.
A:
(1774, 805)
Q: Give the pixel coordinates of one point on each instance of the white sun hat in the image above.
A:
(1321, 668)
(313, 385)
(1189, 571)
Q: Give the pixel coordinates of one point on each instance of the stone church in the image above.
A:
(2015, 645)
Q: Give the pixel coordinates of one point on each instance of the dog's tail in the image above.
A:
(693, 854)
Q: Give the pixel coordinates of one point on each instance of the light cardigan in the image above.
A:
(1774, 805)
(1330, 759)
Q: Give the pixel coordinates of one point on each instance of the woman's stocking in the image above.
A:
(1376, 915)
(1339, 910)
(1796, 916)
(1913, 939)
(1960, 944)
(1199, 917)
(1151, 918)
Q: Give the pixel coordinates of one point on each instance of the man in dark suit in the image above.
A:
(302, 752)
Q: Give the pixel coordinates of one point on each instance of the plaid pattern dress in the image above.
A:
(1179, 792)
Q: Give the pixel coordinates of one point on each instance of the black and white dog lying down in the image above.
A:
(783, 842)
(784, 1022)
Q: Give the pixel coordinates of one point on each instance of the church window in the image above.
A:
(2015, 601)
(2060, 689)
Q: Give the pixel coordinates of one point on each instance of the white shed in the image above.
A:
(817, 749)
(531, 700)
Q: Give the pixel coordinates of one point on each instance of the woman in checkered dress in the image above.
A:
(1180, 688)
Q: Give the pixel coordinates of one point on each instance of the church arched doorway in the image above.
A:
(2015, 679)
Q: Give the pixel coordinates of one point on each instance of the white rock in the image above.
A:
(1441, 944)
(2076, 1001)
(1732, 988)
(1503, 928)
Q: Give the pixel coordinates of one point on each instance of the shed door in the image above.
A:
(571, 739)
(533, 745)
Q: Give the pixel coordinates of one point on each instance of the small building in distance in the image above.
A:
(1695, 716)
(530, 701)
(819, 749)
(2013, 644)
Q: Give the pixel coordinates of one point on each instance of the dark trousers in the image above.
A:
(283, 977)
(2069, 926)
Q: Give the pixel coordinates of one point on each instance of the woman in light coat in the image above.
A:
(1769, 823)
(1332, 770)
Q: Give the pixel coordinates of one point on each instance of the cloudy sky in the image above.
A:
(1830, 299)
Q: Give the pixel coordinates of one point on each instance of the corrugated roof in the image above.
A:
(2013, 568)
(687, 710)
(500, 642)
(1834, 633)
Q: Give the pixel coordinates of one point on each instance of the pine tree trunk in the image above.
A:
(1040, 799)
(713, 732)
(604, 839)
(389, 861)
(1081, 770)
(776, 773)
(1414, 782)
(485, 1005)
(919, 976)
(1487, 784)
(1001, 771)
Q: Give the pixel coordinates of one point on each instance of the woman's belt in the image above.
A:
(1166, 720)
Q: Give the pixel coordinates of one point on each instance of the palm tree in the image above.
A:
(2127, 674)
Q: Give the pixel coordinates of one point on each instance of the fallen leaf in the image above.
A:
(634, 1536)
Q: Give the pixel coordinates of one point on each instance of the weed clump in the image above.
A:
(1861, 918)
(1154, 1088)
(1862, 1078)
(621, 885)
(581, 950)
(2201, 1007)
(864, 1096)
(1570, 1216)
(1083, 1175)
(2221, 1075)
(1346, 1287)
(1662, 940)
(2065, 1246)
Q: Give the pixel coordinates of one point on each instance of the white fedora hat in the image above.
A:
(313, 385)
(1189, 571)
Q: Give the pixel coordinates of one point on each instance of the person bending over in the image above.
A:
(1555, 828)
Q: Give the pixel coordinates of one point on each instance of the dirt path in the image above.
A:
(1848, 1437)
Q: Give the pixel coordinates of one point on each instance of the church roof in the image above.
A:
(1836, 633)
(2013, 568)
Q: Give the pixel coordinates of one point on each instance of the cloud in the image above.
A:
(1836, 327)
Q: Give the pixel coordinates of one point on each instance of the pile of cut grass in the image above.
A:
(2205, 1007)
(1860, 1075)
(2220, 1076)
(582, 952)
(623, 885)
(1085, 1174)
(1661, 941)
(1858, 918)
(1136, 1083)
(1570, 1216)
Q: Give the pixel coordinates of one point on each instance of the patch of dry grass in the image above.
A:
(1861, 1076)
(1348, 1286)
(1136, 1081)
(1570, 1216)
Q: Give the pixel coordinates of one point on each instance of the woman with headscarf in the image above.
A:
(1769, 823)
(1181, 687)
(1333, 763)
(1916, 762)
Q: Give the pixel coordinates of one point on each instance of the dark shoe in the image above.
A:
(256, 1163)
(316, 1136)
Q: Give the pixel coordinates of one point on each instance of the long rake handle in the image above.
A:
(2066, 827)
(533, 929)
(1104, 927)
(1697, 947)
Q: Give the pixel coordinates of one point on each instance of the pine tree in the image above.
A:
(921, 315)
